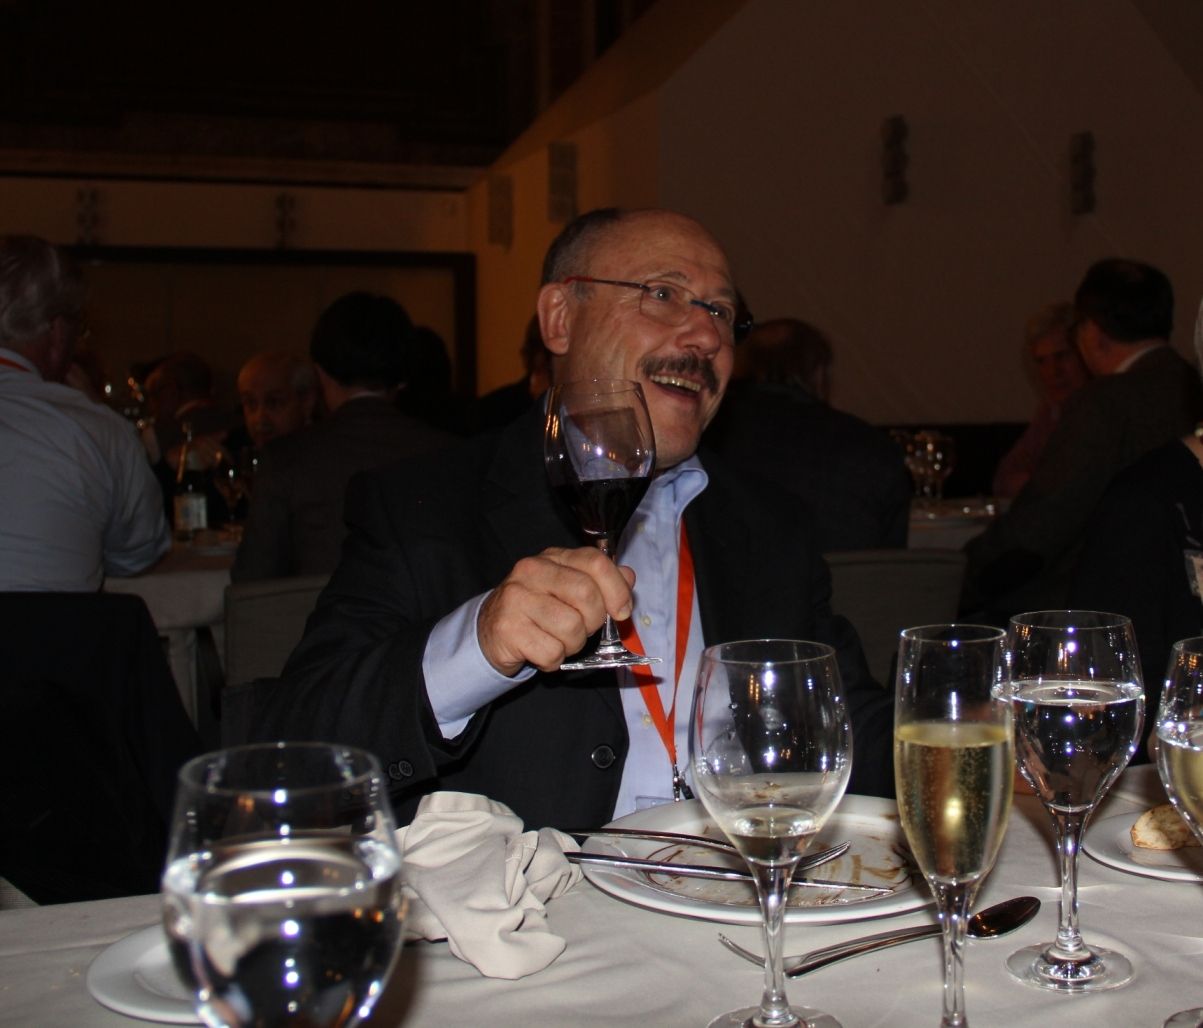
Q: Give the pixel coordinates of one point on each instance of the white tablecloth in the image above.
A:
(948, 524)
(184, 592)
(627, 965)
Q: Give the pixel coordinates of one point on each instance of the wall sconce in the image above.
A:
(501, 210)
(87, 216)
(561, 182)
(894, 159)
(1081, 173)
(286, 220)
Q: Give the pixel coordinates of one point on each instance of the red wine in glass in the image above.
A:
(600, 453)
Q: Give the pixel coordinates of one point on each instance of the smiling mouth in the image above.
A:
(675, 382)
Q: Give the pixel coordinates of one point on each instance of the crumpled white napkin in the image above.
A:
(476, 879)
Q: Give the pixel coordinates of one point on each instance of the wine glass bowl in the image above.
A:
(600, 452)
(954, 766)
(1075, 686)
(1180, 754)
(282, 894)
(769, 750)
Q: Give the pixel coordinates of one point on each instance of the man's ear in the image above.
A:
(555, 317)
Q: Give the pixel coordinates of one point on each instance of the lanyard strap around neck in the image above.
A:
(666, 723)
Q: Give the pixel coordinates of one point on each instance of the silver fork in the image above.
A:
(810, 860)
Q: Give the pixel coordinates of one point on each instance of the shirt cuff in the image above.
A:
(459, 679)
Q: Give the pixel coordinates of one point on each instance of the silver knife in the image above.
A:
(725, 874)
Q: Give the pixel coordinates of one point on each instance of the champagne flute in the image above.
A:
(282, 892)
(954, 764)
(600, 453)
(1180, 754)
(770, 750)
(1078, 698)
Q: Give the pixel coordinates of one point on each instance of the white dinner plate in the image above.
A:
(1110, 842)
(877, 856)
(134, 976)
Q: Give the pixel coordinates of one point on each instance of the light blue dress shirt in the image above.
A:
(460, 681)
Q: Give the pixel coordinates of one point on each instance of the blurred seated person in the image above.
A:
(278, 393)
(360, 350)
(427, 394)
(464, 580)
(1050, 353)
(1143, 554)
(777, 423)
(503, 405)
(1142, 395)
(179, 393)
(79, 499)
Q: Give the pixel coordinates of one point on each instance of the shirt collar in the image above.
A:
(17, 358)
(679, 485)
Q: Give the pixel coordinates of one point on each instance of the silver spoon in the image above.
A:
(985, 924)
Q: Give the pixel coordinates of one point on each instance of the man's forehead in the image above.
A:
(659, 244)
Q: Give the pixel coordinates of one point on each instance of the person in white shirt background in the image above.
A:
(78, 500)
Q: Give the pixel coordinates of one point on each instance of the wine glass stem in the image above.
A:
(1069, 825)
(772, 884)
(953, 902)
(609, 642)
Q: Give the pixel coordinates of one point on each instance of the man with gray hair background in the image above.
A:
(78, 499)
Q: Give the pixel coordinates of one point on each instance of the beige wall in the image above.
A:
(769, 132)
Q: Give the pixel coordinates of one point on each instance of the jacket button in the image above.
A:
(602, 757)
(400, 769)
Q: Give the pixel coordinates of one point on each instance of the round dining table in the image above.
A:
(627, 965)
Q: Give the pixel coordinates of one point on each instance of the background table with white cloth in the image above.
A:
(185, 593)
(627, 965)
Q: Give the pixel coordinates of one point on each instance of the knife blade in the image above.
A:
(726, 874)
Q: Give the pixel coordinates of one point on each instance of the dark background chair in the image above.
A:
(92, 735)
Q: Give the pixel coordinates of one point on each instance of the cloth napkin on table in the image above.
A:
(474, 877)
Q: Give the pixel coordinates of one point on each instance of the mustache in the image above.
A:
(687, 365)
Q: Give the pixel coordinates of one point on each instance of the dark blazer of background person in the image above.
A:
(851, 475)
(1024, 560)
(430, 533)
(1136, 559)
(295, 525)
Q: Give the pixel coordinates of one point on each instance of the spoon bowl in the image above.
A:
(991, 923)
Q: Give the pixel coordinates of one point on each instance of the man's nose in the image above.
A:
(701, 331)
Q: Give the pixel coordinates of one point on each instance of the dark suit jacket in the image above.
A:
(1024, 560)
(295, 525)
(851, 475)
(429, 534)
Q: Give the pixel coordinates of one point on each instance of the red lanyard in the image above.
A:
(13, 364)
(666, 723)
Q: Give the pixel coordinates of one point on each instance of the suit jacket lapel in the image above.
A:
(721, 545)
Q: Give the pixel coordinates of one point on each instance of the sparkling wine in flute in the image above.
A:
(1180, 755)
(1180, 764)
(1075, 737)
(954, 768)
(954, 795)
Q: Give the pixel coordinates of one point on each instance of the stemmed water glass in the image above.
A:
(282, 894)
(1078, 698)
(770, 752)
(1180, 754)
(600, 453)
(954, 764)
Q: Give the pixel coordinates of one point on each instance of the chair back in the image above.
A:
(884, 591)
(92, 734)
(265, 620)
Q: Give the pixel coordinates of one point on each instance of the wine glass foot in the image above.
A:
(600, 659)
(747, 1018)
(1103, 969)
(1186, 1019)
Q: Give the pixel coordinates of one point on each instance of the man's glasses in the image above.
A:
(671, 304)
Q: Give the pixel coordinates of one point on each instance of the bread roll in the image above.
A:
(1162, 828)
